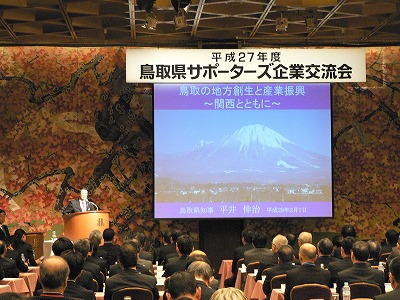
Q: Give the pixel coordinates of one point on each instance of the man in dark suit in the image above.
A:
(238, 253)
(184, 246)
(325, 249)
(63, 244)
(169, 250)
(277, 242)
(285, 263)
(15, 255)
(53, 276)
(129, 277)
(110, 247)
(4, 233)
(394, 277)
(259, 253)
(75, 263)
(204, 275)
(347, 230)
(182, 285)
(80, 205)
(375, 249)
(391, 237)
(361, 271)
(346, 262)
(83, 246)
(308, 272)
(8, 267)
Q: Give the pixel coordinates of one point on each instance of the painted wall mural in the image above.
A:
(69, 120)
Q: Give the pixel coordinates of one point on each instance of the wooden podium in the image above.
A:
(79, 225)
(36, 239)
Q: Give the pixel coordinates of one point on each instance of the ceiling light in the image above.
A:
(180, 20)
(282, 24)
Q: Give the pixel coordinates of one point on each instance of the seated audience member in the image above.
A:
(163, 240)
(291, 239)
(259, 253)
(8, 267)
(95, 256)
(143, 254)
(374, 252)
(391, 237)
(83, 246)
(394, 278)
(360, 271)
(198, 255)
(63, 244)
(175, 234)
(307, 272)
(24, 248)
(325, 249)
(346, 262)
(347, 230)
(277, 242)
(285, 263)
(129, 276)
(204, 275)
(184, 246)
(95, 237)
(53, 276)
(15, 255)
(304, 238)
(337, 243)
(10, 296)
(229, 293)
(143, 263)
(110, 247)
(238, 253)
(182, 285)
(395, 252)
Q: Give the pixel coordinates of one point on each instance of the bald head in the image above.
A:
(307, 253)
(53, 276)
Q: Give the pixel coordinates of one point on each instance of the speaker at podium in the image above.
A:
(79, 225)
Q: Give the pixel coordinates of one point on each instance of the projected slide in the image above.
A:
(242, 150)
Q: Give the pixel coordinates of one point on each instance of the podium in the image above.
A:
(79, 225)
(36, 239)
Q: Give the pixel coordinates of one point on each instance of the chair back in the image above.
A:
(252, 266)
(364, 290)
(310, 291)
(95, 285)
(384, 256)
(240, 262)
(264, 272)
(136, 293)
(277, 280)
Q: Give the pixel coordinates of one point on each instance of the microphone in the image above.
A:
(91, 202)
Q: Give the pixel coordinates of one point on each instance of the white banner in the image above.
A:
(255, 65)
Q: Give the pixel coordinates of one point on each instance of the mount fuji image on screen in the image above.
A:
(253, 163)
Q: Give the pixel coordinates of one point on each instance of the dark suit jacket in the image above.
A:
(175, 266)
(4, 233)
(74, 206)
(270, 262)
(206, 291)
(325, 260)
(16, 256)
(102, 263)
(164, 251)
(340, 265)
(96, 271)
(8, 268)
(112, 252)
(361, 272)
(274, 271)
(51, 297)
(75, 290)
(130, 278)
(116, 268)
(388, 248)
(238, 253)
(27, 250)
(393, 295)
(306, 273)
(85, 280)
(258, 254)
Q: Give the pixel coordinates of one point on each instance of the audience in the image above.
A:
(375, 250)
(204, 276)
(170, 250)
(8, 267)
(141, 238)
(182, 285)
(110, 247)
(308, 272)
(394, 279)
(360, 271)
(184, 246)
(163, 240)
(4, 233)
(304, 237)
(229, 294)
(285, 263)
(347, 230)
(15, 255)
(129, 276)
(259, 253)
(23, 247)
(337, 243)
(277, 242)
(97, 256)
(346, 262)
(53, 276)
(10, 296)
(391, 237)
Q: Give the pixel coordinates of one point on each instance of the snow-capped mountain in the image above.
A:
(253, 153)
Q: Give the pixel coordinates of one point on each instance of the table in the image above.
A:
(18, 285)
(249, 285)
(240, 273)
(100, 295)
(258, 293)
(5, 288)
(277, 294)
(30, 280)
(225, 270)
(34, 269)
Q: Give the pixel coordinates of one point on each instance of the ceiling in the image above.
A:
(211, 23)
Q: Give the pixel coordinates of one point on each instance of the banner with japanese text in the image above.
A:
(255, 65)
